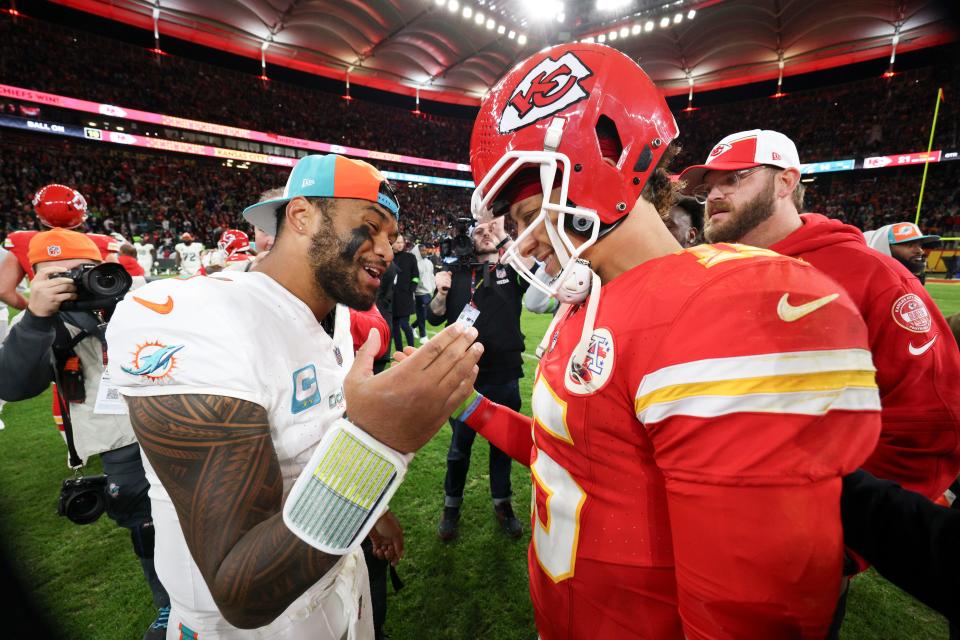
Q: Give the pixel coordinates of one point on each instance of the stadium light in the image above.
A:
(561, 17)
(512, 34)
(612, 36)
(677, 19)
(636, 29)
(624, 32)
(441, 3)
(691, 14)
(664, 22)
(491, 23)
(479, 18)
(649, 26)
(601, 38)
(501, 30)
(453, 5)
(521, 39)
(467, 12)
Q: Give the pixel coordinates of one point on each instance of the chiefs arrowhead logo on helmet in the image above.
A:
(58, 205)
(234, 241)
(551, 86)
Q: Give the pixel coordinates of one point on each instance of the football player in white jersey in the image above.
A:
(188, 255)
(262, 487)
(146, 254)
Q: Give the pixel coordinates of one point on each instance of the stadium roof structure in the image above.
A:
(454, 50)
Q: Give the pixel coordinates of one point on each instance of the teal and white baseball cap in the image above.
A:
(326, 176)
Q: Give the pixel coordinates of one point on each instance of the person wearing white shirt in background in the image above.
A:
(188, 255)
(423, 292)
(146, 254)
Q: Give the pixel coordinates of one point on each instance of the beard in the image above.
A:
(742, 220)
(335, 267)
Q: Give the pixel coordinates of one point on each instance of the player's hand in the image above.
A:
(404, 406)
(387, 538)
(400, 356)
(443, 280)
(48, 291)
(495, 227)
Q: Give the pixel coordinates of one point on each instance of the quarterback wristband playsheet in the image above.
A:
(344, 488)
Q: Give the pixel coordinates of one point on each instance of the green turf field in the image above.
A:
(89, 582)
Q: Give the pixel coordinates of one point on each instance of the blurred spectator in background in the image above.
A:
(424, 291)
(408, 276)
(905, 242)
(685, 221)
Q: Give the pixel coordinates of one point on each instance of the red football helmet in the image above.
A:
(234, 241)
(60, 206)
(544, 115)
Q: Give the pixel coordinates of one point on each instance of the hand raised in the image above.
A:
(48, 291)
(404, 406)
(443, 281)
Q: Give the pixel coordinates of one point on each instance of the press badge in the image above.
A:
(109, 400)
(469, 315)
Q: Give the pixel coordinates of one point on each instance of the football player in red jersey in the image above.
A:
(688, 437)
(56, 206)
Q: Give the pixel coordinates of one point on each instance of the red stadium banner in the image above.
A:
(113, 111)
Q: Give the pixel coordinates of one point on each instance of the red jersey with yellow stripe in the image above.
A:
(18, 243)
(687, 476)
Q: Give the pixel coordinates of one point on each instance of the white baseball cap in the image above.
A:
(744, 150)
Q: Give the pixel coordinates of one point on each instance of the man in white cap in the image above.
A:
(263, 488)
(905, 242)
(750, 184)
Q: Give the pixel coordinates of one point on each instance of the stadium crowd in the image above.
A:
(37, 55)
(160, 196)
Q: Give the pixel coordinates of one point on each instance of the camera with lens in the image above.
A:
(83, 499)
(457, 250)
(99, 286)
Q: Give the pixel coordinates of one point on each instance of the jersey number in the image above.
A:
(557, 498)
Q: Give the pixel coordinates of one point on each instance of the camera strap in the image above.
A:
(75, 461)
(63, 348)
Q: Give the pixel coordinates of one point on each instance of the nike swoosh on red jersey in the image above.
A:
(922, 349)
(162, 308)
(790, 313)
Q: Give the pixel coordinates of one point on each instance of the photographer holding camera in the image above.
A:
(60, 338)
(475, 288)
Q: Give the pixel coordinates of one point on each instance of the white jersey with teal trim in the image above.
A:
(145, 255)
(188, 336)
(189, 257)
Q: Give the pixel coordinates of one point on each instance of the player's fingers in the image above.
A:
(363, 361)
(455, 363)
(460, 392)
(433, 349)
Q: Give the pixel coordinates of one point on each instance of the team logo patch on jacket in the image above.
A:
(597, 367)
(911, 313)
(550, 87)
(153, 360)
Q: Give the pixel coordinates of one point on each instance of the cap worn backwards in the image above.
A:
(326, 176)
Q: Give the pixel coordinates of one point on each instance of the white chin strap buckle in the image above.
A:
(576, 285)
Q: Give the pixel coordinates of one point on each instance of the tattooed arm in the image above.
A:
(215, 458)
